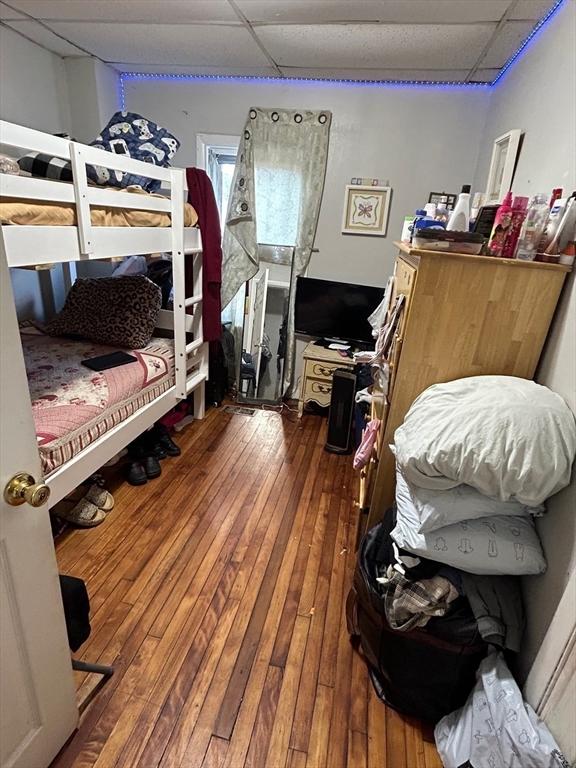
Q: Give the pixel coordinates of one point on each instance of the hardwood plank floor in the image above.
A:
(218, 594)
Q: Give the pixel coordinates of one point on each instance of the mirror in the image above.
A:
(264, 338)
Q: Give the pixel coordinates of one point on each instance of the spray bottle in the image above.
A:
(519, 208)
(502, 223)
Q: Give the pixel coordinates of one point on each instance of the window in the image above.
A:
(216, 154)
(278, 192)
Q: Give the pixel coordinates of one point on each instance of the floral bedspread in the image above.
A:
(73, 405)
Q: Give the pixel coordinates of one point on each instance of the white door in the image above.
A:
(259, 315)
(551, 683)
(37, 698)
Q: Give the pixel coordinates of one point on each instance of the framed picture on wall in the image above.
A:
(502, 165)
(366, 210)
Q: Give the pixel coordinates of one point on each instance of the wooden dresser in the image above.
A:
(319, 365)
(463, 316)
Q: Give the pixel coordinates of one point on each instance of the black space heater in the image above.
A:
(341, 414)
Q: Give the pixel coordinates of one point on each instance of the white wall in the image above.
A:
(33, 92)
(421, 140)
(539, 96)
(94, 96)
(41, 90)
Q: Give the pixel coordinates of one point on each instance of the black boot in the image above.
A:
(165, 442)
(136, 474)
(152, 467)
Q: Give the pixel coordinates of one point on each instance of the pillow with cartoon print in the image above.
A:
(131, 135)
(435, 508)
(127, 134)
(490, 546)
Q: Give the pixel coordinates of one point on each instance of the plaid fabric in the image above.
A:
(46, 166)
(410, 604)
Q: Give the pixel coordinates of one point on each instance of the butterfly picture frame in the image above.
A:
(366, 210)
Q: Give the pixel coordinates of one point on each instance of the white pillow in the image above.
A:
(435, 509)
(489, 545)
(509, 438)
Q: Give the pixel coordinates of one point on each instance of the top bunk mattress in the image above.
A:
(58, 214)
(72, 405)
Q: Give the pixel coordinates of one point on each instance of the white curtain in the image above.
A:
(275, 198)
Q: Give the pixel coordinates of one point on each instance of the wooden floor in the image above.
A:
(218, 595)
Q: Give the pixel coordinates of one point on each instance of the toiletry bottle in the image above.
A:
(565, 230)
(442, 214)
(532, 228)
(502, 224)
(420, 213)
(460, 218)
(425, 222)
(554, 219)
(568, 254)
(519, 209)
(556, 195)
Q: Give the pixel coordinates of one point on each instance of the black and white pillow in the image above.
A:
(46, 166)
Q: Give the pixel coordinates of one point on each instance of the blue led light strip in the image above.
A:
(124, 76)
(544, 20)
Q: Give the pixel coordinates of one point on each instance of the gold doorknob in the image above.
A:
(23, 488)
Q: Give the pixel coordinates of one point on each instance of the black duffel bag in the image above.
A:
(426, 672)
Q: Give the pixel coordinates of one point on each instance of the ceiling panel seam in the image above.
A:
(56, 34)
(254, 36)
(6, 25)
(499, 27)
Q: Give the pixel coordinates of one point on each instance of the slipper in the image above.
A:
(84, 514)
(100, 497)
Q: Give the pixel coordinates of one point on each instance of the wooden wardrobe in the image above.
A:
(463, 316)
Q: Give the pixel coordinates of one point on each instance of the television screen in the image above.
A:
(333, 310)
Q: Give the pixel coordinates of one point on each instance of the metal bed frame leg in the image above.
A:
(97, 669)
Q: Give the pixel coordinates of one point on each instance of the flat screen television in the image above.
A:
(339, 311)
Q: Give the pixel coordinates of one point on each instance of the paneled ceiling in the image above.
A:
(433, 40)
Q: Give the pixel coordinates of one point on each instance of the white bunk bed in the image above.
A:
(31, 246)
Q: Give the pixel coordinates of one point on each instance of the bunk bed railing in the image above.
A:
(21, 138)
(93, 242)
(40, 245)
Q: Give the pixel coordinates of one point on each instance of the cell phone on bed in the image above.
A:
(113, 360)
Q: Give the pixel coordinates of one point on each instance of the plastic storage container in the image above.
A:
(449, 240)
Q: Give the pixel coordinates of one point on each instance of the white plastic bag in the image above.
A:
(133, 265)
(496, 728)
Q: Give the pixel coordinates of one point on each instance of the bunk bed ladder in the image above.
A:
(80, 182)
(191, 354)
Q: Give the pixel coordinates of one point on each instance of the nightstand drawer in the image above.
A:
(318, 369)
(318, 390)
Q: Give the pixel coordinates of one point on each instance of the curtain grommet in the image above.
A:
(275, 117)
(241, 182)
(298, 118)
(253, 114)
(322, 119)
(244, 207)
(246, 135)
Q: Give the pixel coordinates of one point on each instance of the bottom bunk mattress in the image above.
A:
(72, 405)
